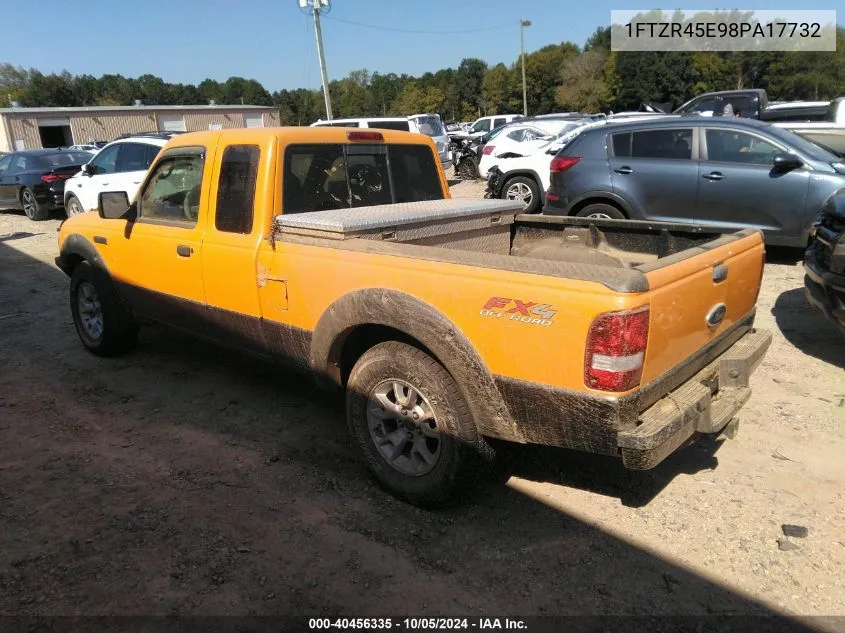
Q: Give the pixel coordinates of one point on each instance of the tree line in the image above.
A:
(559, 77)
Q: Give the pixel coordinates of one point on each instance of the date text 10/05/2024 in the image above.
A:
(416, 624)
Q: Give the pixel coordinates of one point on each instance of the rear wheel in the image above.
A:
(103, 324)
(524, 190)
(468, 170)
(413, 426)
(31, 207)
(601, 210)
(73, 206)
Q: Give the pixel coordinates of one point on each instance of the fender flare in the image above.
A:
(77, 245)
(422, 322)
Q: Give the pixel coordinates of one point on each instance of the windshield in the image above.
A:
(431, 125)
(65, 159)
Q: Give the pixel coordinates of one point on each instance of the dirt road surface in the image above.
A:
(186, 479)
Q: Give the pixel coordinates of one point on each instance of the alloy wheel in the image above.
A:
(520, 191)
(90, 311)
(403, 427)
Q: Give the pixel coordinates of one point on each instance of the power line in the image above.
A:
(390, 28)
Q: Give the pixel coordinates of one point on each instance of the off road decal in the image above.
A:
(529, 312)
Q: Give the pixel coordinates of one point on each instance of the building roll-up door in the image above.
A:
(253, 120)
(171, 123)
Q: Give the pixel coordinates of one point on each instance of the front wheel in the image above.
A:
(525, 190)
(104, 325)
(33, 209)
(73, 206)
(413, 426)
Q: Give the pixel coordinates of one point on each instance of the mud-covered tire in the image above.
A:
(33, 209)
(602, 211)
(117, 332)
(460, 464)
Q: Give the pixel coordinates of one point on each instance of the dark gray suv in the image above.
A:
(724, 172)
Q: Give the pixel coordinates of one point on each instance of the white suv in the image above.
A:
(119, 166)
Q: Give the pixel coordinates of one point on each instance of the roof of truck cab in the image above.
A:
(293, 135)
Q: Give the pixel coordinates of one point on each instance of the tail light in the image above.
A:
(562, 163)
(616, 350)
(488, 149)
(365, 136)
(54, 177)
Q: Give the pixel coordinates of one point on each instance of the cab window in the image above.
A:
(173, 190)
(335, 176)
(236, 189)
(481, 126)
(135, 157)
(4, 164)
(104, 162)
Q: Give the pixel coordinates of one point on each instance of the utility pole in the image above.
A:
(316, 7)
(522, 25)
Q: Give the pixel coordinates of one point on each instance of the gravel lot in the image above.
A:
(186, 479)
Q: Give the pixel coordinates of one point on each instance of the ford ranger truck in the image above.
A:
(824, 262)
(449, 323)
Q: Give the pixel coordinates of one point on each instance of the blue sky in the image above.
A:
(271, 41)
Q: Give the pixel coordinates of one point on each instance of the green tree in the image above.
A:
(542, 71)
(210, 89)
(13, 82)
(49, 90)
(600, 39)
(583, 86)
(653, 76)
(468, 81)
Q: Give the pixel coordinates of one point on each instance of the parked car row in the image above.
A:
(729, 172)
(45, 180)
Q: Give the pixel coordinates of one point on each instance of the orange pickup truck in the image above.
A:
(448, 322)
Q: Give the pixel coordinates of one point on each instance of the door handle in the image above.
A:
(624, 170)
(713, 175)
(184, 251)
(720, 273)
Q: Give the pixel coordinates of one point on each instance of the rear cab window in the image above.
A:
(319, 177)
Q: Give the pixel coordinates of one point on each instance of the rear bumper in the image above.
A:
(706, 403)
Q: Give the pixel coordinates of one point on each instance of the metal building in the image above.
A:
(32, 128)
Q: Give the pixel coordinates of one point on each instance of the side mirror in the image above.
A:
(86, 169)
(786, 160)
(113, 205)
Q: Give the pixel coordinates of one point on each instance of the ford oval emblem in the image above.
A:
(716, 314)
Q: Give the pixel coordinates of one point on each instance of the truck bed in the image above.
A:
(493, 233)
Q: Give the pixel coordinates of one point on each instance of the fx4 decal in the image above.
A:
(529, 312)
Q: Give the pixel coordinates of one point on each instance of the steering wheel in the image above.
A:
(364, 180)
(187, 206)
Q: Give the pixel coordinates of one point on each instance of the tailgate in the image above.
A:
(698, 294)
